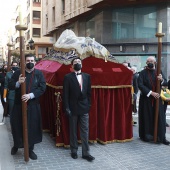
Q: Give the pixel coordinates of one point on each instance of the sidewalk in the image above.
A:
(134, 155)
(6, 160)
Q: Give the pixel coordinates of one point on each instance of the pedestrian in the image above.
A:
(165, 95)
(169, 82)
(76, 98)
(3, 71)
(126, 64)
(35, 87)
(148, 96)
(135, 88)
(9, 95)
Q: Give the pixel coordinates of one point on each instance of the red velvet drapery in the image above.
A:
(110, 116)
(111, 110)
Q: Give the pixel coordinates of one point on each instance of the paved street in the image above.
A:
(134, 155)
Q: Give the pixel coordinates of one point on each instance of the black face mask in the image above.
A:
(14, 68)
(150, 65)
(30, 65)
(77, 66)
(5, 70)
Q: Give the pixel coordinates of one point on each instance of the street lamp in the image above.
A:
(31, 44)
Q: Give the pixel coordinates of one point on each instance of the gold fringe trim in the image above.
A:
(95, 141)
(58, 121)
(98, 86)
(62, 144)
(46, 130)
(112, 141)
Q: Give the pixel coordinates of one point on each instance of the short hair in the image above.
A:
(75, 59)
(30, 55)
(152, 58)
(14, 61)
(134, 68)
(4, 66)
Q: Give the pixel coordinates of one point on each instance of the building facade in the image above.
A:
(33, 19)
(126, 28)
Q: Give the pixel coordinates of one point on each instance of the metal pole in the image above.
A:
(159, 35)
(21, 29)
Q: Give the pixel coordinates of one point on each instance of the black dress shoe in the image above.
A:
(167, 125)
(74, 155)
(14, 150)
(32, 155)
(88, 157)
(166, 142)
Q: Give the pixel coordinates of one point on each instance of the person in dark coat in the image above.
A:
(76, 98)
(148, 96)
(3, 71)
(135, 88)
(9, 95)
(35, 87)
(169, 83)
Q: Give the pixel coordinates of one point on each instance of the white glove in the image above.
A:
(5, 100)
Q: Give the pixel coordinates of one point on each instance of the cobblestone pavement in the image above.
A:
(132, 155)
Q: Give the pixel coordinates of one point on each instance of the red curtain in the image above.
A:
(110, 115)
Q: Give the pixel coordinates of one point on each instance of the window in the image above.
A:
(36, 32)
(53, 14)
(63, 6)
(132, 23)
(90, 27)
(36, 14)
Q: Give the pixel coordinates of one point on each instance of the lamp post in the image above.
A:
(31, 44)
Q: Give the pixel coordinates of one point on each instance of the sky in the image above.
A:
(7, 9)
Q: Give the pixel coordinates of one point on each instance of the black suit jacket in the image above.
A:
(77, 101)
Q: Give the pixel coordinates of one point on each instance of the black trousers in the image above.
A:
(83, 121)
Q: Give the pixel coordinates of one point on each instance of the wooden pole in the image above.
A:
(21, 29)
(159, 35)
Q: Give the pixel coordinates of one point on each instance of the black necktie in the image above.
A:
(78, 74)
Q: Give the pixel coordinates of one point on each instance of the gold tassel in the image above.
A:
(58, 122)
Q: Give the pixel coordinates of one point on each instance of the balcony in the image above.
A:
(120, 3)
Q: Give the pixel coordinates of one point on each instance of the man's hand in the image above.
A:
(25, 97)
(5, 100)
(168, 99)
(68, 112)
(155, 95)
(21, 79)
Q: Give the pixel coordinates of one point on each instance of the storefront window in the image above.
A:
(134, 23)
(90, 26)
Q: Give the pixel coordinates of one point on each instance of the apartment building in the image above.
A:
(126, 28)
(33, 19)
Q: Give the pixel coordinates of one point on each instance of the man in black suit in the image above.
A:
(76, 98)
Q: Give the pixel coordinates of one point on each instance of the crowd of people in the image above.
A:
(76, 101)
